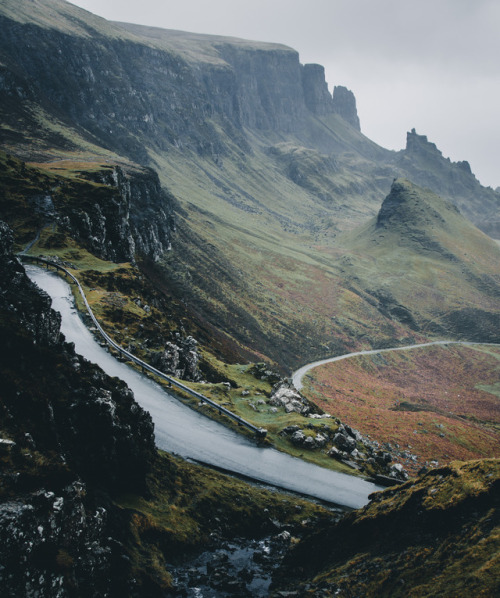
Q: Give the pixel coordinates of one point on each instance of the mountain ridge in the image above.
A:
(253, 214)
(256, 176)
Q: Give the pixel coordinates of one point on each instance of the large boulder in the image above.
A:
(285, 395)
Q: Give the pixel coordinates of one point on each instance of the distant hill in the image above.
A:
(423, 263)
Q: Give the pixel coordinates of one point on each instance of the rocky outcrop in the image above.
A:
(285, 395)
(116, 214)
(344, 104)
(21, 300)
(179, 359)
(343, 443)
(143, 220)
(55, 543)
(424, 164)
(316, 95)
(71, 439)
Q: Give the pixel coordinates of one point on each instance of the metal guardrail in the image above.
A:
(260, 432)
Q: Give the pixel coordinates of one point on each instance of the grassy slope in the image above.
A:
(423, 255)
(439, 403)
(257, 254)
(187, 505)
(275, 287)
(435, 536)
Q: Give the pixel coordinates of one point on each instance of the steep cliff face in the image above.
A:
(70, 438)
(142, 221)
(316, 95)
(114, 213)
(344, 103)
(21, 300)
(135, 91)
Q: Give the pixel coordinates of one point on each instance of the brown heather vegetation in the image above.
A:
(438, 403)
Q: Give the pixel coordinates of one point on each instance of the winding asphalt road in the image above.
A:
(190, 434)
(298, 375)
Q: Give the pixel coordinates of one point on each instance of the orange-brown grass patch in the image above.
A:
(431, 401)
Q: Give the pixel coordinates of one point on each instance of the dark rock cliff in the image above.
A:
(21, 301)
(344, 104)
(129, 94)
(71, 437)
(141, 221)
(116, 214)
(316, 94)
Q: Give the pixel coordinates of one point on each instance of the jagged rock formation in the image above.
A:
(344, 103)
(179, 359)
(21, 300)
(114, 213)
(425, 165)
(144, 222)
(71, 437)
(316, 94)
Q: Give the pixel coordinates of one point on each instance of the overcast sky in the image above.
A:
(429, 64)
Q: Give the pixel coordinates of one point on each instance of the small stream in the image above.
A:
(189, 434)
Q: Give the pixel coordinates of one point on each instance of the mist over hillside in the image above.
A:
(265, 165)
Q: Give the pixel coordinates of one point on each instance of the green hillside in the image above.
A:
(422, 262)
(434, 536)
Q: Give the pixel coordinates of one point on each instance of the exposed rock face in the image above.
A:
(54, 540)
(72, 437)
(419, 144)
(268, 90)
(21, 299)
(425, 165)
(316, 94)
(285, 395)
(179, 359)
(344, 103)
(143, 221)
(116, 214)
(155, 96)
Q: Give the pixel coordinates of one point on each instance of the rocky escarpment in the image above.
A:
(71, 437)
(344, 104)
(316, 94)
(143, 221)
(425, 165)
(20, 300)
(135, 89)
(116, 214)
(179, 359)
